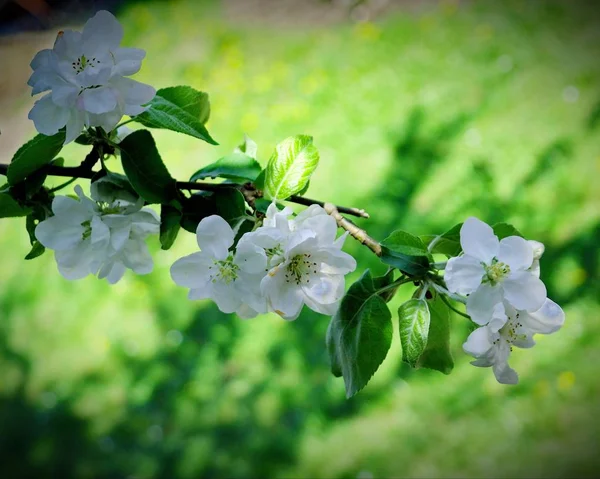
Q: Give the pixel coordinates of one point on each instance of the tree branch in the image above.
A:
(85, 172)
(356, 232)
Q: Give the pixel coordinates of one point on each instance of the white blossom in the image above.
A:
(86, 73)
(96, 237)
(304, 261)
(491, 271)
(231, 280)
(492, 344)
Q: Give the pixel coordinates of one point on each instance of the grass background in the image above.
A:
(423, 116)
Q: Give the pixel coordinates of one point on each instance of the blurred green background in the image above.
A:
(424, 113)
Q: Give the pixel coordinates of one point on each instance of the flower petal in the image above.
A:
(515, 252)
(478, 343)
(482, 303)
(70, 209)
(133, 92)
(116, 273)
(223, 294)
(215, 236)
(101, 32)
(74, 263)
(286, 299)
(524, 291)
(48, 117)
(505, 374)
(192, 271)
(137, 257)
(546, 320)
(251, 258)
(128, 60)
(463, 274)
(98, 100)
(57, 234)
(334, 261)
(100, 232)
(75, 125)
(478, 239)
(323, 294)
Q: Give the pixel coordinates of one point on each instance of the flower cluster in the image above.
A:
(104, 235)
(282, 265)
(86, 75)
(505, 295)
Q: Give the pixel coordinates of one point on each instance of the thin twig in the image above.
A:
(83, 171)
(453, 308)
(357, 233)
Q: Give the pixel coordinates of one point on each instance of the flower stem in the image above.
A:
(61, 186)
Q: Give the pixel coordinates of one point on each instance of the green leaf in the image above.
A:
(10, 208)
(111, 186)
(503, 230)
(195, 208)
(145, 169)
(304, 190)
(237, 167)
(181, 109)
(290, 166)
(448, 244)
(414, 328)
(406, 252)
(36, 250)
(248, 147)
(33, 155)
(259, 183)
(230, 205)
(170, 218)
(360, 334)
(437, 352)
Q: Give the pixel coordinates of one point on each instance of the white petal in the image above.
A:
(119, 236)
(535, 268)
(137, 257)
(68, 45)
(74, 263)
(116, 273)
(338, 243)
(72, 210)
(478, 343)
(463, 274)
(128, 60)
(324, 293)
(57, 234)
(334, 261)
(499, 318)
(75, 124)
(107, 121)
(482, 303)
(102, 30)
(478, 239)
(192, 271)
(225, 298)
(133, 92)
(215, 236)
(48, 117)
(100, 232)
(516, 252)
(505, 374)
(524, 291)
(324, 227)
(538, 249)
(299, 242)
(546, 320)
(41, 59)
(250, 258)
(65, 94)
(203, 292)
(286, 299)
(98, 100)
(246, 312)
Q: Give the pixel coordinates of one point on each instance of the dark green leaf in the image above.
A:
(195, 208)
(235, 166)
(230, 205)
(36, 250)
(406, 252)
(110, 187)
(145, 169)
(33, 155)
(437, 352)
(181, 109)
(503, 230)
(260, 180)
(290, 166)
(448, 244)
(10, 208)
(380, 282)
(170, 218)
(414, 328)
(360, 334)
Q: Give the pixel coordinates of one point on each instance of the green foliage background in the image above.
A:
(422, 117)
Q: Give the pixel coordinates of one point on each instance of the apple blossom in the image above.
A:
(492, 344)
(491, 270)
(86, 75)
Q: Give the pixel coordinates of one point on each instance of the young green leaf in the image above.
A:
(181, 109)
(448, 244)
(290, 166)
(406, 252)
(237, 167)
(170, 218)
(414, 328)
(503, 230)
(9, 208)
(37, 249)
(360, 334)
(248, 147)
(145, 169)
(33, 155)
(437, 352)
(230, 205)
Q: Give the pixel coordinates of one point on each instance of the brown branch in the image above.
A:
(85, 172)
(357, 233)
